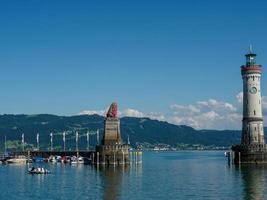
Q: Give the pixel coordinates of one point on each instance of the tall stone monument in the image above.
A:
(252, 148)
(112, 150)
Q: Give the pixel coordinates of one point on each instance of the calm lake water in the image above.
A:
(167, 175)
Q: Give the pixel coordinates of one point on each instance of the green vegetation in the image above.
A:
(140, 130)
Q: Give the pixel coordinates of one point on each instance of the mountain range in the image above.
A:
(140, 131)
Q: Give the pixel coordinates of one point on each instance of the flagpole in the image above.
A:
(22, 141)
(5, 146)
(88, 146)
(97, 136)
(37, 140)
(77, 139)
(51, 140)
(64, 140)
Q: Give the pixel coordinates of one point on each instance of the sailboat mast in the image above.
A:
(5, 145)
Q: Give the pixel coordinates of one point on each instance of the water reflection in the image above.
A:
(253, 178)
(112, 177)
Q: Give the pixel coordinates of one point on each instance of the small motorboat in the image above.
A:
(80, 160)
(38, 170)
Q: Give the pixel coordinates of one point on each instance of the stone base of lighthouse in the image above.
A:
(250, 154)
(112, 154)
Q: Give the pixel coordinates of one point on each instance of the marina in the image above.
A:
(133, 100)
(111, 151)
(162, 175)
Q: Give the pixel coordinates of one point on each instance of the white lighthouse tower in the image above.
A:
(252, 148)
(252, 130)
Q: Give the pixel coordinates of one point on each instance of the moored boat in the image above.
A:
(65, 159)
(17, 160)
(80, 160)
(52, 159)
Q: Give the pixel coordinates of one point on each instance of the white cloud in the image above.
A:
(209, 114)
(93, 112)
(157, 116)
(136, 113)
(239, 97)
(216, 105)
(189, 121)
(132, 113)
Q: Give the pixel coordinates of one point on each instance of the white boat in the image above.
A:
(79, 160)
(58, 159)
(52, 159)
(17, 160)
(76, 160)
(38, 171)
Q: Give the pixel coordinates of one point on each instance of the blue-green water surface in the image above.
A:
(166, 175)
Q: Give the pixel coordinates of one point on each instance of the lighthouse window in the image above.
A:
(253, 78)
(254, 112)
(255, 128)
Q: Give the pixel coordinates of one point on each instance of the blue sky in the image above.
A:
(155, 58)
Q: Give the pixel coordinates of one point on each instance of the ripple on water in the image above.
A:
(166, 175)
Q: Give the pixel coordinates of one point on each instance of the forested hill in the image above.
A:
(140, 130)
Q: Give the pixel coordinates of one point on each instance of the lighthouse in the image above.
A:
(252, 128)
(252, 148)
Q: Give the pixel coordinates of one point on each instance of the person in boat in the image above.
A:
(32, 169)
